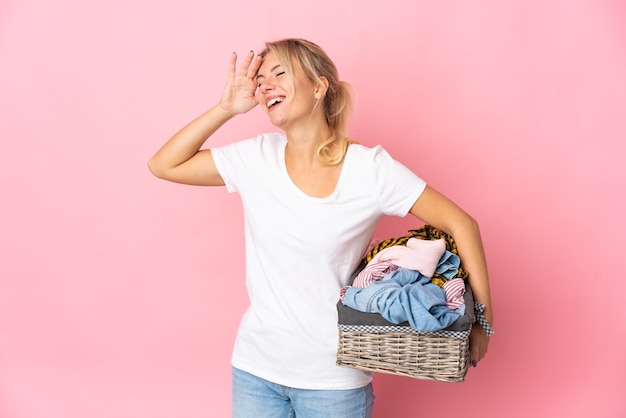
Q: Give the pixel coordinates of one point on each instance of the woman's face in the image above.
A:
(286, 99)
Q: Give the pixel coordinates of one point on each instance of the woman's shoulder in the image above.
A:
(272, 136)
(262, 142)
(264, 138)
(364, 151)
(374, 158)
(268, 142)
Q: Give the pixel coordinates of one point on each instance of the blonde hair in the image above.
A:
(337, 102)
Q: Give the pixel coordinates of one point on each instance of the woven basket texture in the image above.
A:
(411, 354)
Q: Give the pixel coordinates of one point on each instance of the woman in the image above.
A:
(311, 203)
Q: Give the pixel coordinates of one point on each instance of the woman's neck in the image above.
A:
(303, 144)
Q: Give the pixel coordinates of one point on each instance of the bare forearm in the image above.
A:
(188, 141)
(471, 250)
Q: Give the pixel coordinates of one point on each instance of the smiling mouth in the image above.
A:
(273, 102)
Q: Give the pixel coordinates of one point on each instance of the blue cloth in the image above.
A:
(404, 295)
(448, 265)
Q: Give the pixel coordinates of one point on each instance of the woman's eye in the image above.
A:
(280, 73)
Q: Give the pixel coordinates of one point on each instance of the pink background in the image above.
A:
(120, 294)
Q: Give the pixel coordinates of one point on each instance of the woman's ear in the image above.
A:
(321, 87)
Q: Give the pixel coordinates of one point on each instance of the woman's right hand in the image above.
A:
(238, 95)
(181, 160)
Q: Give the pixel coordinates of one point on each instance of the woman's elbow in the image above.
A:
(156, 169)
(464, 219)
(471, 220)
(466, 223)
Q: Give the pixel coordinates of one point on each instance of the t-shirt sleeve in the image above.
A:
(224, 158)
(233, 160)
(397, 187)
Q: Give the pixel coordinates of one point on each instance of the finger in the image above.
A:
(478, 345)
(254, 66)
(245, 65)
(232, 65)
(474, 356)
(473, 347)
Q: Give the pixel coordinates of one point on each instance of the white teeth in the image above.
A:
(275, 100)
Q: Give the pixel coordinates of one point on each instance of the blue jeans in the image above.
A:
(254, 397)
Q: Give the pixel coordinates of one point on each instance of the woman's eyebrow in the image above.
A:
(271, 70)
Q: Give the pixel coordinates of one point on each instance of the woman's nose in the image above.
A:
(266, 85)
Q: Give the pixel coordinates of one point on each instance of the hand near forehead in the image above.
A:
(238, 95)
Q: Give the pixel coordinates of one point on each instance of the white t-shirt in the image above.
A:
(300, 251)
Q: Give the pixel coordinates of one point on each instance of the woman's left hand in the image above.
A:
(479, 340)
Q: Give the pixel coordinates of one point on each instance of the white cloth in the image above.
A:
(300, 251)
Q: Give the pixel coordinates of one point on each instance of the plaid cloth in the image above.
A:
(374, 329)
(479, 308)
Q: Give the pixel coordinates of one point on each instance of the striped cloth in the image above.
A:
(374, 271)
(455, 289)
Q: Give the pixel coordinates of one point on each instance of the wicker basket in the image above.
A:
(427, 356)
(368, 342)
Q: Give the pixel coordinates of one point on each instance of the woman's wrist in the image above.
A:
(223, 112)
